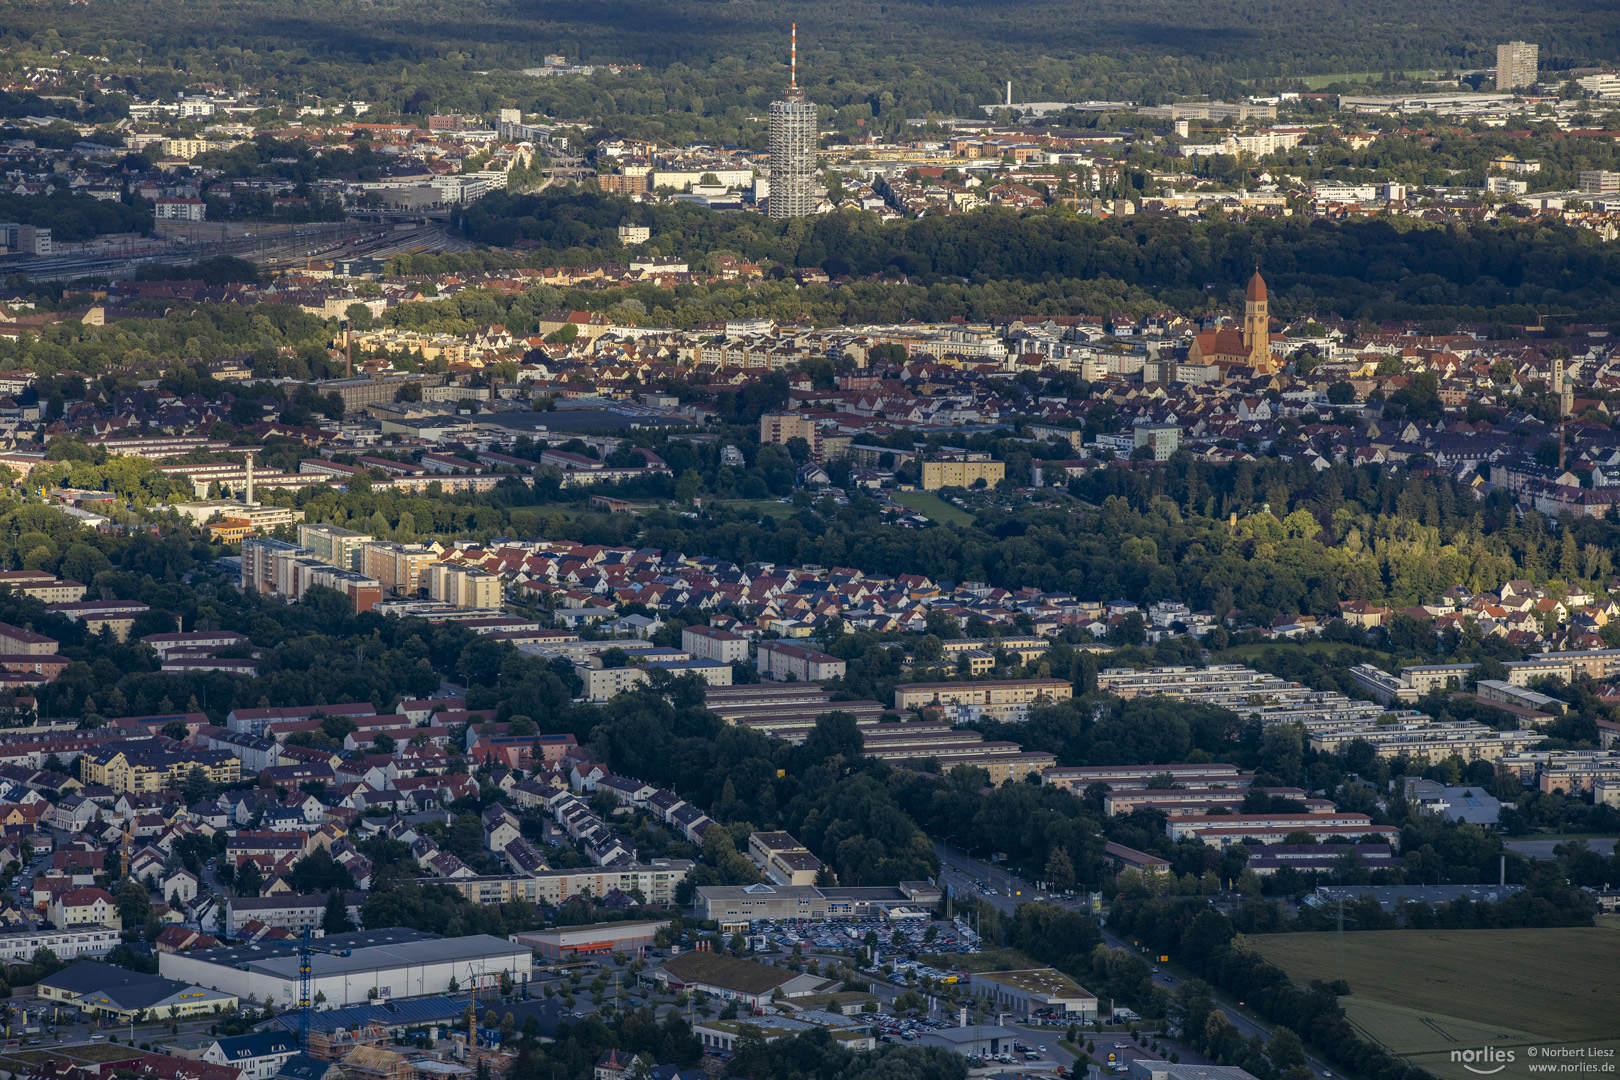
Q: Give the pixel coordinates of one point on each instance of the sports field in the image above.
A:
(1423, 994)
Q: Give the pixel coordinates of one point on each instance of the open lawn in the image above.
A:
(1423, 994)
(1316, 82)
(767, 507)
(937, 509)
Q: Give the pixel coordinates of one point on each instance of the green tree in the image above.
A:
(134, 904)
(249, 879)
(336, 918)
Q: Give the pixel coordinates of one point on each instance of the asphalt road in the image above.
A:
(958, 869)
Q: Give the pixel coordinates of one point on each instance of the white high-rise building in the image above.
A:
(793, 149)
(1516, 65)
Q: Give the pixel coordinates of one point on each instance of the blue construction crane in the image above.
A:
(305, 951)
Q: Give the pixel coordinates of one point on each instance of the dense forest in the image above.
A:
(704, 72)
(976, 261)
(73, 217)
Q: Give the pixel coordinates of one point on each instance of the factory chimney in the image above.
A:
(249, 499)
(1009, 93)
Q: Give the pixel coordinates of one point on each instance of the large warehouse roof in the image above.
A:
(241, 956)
(378, 957)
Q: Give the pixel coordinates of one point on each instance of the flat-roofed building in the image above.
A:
(604, 684)
(784, 860)
(68, 943)
(1035, 990)
(962, 474)
(379, 966)
(398, 567)
(1426, 677)
(712, 672)
(656, 881)
(781, 428)
(1144, 1069)
(1003, 699)
(595, 939)
(1544, 666)
(734, 906)
(465, 586)
(707, 643)
(1027, 649)
(331, 544)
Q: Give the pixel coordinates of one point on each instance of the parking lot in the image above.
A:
(849, 935)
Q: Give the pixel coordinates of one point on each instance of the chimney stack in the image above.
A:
(1009, 93)
(249, 499)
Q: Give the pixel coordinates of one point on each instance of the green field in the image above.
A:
(1423, 994)
(1316, 82)
(936, 508)
(768, 507)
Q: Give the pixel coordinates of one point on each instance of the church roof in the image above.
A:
(1213, 343)
(1257, 288)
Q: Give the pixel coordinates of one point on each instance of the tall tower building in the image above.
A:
(1257, 320)
(793, 148)
(1516, 65)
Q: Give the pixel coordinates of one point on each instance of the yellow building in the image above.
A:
(41, 586)
(126, 770)
(979, 661)
(188, 148)
(1025, 649)
(1003, 699)
(465, 586)
(232, 530)
(494, 890)
(940, 474)
(1010, 767)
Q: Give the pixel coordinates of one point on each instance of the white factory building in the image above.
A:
(381, 965)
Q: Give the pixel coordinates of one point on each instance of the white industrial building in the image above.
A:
(381, 965)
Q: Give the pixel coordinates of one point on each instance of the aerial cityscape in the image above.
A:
(678, 540)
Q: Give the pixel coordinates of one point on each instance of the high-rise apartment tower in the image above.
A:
(1516, 65)
(793, 148)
